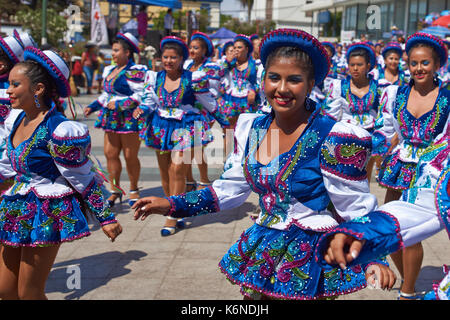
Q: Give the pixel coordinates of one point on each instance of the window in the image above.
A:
(350, 18)
(399, 14)
(413, 10)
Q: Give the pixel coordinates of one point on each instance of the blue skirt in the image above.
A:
(395, 173)
(118, 121)
(281, 264)
(232, 106)
(169, 134)
(36, 222)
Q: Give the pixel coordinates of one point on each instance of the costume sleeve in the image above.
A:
(135, 77)
(398, 224)
(334, 103)
(229, 191)
(384, 123)
(149, 100)
(343, 159)
(200, 84)
(102, 100)
(70, 146)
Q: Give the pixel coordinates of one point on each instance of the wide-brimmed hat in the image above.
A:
(305, 42)
(392, 46)
(54, 64)
(178, 41)
(365, 46)
(209, 44)
(25, 39)
(12, 47)
(435, 42)
(130, 39)
(331, 46)
(247, 40)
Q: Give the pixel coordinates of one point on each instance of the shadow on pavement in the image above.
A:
(77, 277)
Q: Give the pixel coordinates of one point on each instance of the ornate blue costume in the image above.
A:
(53, 185)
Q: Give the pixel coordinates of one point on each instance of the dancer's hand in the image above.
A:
(379, 276)
(342, 249)
(112, 230)
(251, 97)
(111, 105)
(87, 111)
(150, 205)
(137, 113)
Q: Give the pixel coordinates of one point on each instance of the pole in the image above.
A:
(44, 23)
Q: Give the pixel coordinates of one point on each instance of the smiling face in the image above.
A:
(20, 92)
(5, 63)
(286, 86)
(422, 65)
(171, 60)
(392, 60)
(196, 50)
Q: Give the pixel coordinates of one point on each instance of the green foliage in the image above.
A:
(31, 20)
(259, 26)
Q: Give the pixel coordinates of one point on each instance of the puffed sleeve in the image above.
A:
(343, 158)
(334, 102)
(384, 123)
(149, 99)
(102, 100)
(229, 191)
(70, 147)
(200, 84)
(6, 170)
(135, 77)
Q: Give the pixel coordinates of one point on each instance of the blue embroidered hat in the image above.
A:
(225, 47)
(392, 46)
(331, 46)
(130, 39)
(54, 64)
(365, 46)
(247, 40)
(302, 40)
(209, 44)
(13, 49)
(178, 41)
(435, 42)
(253, 37)
(25, 39)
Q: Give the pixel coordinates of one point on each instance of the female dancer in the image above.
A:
(175, 125)
(122, 87)
(54, 187)
(240, 95)
(391, 73)
(201, 49)
(356, 99)
(273, 258)
(417, 113)
(422, 212)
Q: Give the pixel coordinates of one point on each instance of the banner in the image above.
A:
(99, 32)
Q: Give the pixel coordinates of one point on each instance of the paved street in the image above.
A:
(141, 264)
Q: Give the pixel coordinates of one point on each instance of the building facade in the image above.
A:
(285, 13)
(358, 15)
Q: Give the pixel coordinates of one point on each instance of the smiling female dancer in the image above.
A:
(298, 162)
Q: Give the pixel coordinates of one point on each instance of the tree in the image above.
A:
(32, 22)
(249, 5)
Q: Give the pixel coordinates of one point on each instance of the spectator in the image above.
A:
(99, 75)
(168, 22)
(192, 23)
(89, 63)
(77, 73)
(142, 20)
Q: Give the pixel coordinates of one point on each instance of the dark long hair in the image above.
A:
(38, 74)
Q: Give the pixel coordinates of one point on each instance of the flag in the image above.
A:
(99, 32)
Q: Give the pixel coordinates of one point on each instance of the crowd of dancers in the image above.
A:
(311, 120)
